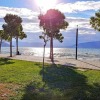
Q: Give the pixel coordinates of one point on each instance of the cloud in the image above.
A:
(31, 27)
(22, 12)
(31, 22)
(83, 25)
(26, 14)
(29, 17)
(78, 6)
(73, 22)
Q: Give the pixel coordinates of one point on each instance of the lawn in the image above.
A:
(23, 80)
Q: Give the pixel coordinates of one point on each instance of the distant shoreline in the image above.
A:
(49, 47)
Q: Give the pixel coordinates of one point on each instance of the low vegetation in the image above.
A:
(22, 80)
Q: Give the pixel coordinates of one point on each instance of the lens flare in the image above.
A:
(46, 4)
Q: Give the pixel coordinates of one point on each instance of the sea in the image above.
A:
(83, 53)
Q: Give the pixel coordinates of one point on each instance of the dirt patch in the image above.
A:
(7, 90)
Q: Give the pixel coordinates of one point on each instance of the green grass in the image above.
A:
(24, 81)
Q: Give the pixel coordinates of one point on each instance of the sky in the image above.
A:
(77, 12)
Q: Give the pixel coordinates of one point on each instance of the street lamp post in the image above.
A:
(76, 40)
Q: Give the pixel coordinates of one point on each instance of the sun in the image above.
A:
(46, 4)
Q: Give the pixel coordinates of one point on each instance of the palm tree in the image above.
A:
(8, 33)
(52, 22)
(95, 21)
(21, 35)
(12, 28)
(1, 38)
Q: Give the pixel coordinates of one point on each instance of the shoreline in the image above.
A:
(58, 52)
(57, 57)
(82, 64)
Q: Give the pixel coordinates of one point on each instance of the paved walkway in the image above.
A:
(89, 64)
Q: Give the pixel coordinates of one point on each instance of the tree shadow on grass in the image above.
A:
(39, 64)
(4, 61)
(61, 83)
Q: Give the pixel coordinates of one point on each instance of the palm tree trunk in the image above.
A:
(50, 48)
(0, 44)
(52, 58)
(16, 45)
(11, 47)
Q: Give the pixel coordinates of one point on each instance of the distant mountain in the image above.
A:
(94, 44)
(38, 44)
(4, 44)
(28, 44)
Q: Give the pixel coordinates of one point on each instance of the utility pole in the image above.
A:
(76, 41)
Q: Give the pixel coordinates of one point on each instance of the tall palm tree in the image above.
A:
(52, 22)
(11, 27)
(8, 33)
(21, 35)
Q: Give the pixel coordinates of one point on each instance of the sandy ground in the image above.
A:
(81, 64)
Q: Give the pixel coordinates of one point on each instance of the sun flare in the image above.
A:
(46, 4)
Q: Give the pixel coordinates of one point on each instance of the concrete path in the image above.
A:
(81, 64)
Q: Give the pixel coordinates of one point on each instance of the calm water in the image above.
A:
(58, 52)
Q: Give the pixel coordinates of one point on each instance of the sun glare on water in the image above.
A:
(46, 4)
